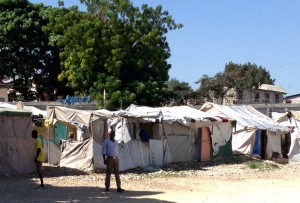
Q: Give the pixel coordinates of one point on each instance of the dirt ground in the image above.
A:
(200, 183)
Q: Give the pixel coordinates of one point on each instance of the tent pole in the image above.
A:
(91, 124)
(48, 132)
(48, 143)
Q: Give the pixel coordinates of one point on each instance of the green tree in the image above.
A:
(114, 47)
(247, 76)
(239, 76)
(179, 91)
(207, 87)
(25, 55)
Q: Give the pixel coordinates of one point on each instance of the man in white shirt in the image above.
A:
(110, 152)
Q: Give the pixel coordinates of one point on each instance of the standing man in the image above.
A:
(38, 157)
(110, 152)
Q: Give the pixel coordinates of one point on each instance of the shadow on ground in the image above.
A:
(21, 189)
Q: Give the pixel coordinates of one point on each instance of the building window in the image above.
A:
(267, 97)
(276, 98)
(240, 95)
(256, 96)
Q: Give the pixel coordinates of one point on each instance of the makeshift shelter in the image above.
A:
(254, 133)
(171, 134)
(89, 127)
(16, 143)
(291, 146)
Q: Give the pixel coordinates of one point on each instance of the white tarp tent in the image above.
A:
(255, 133)
(175, 127)
(86, 152)
(16, 143)
(90, 129)
(291, 119)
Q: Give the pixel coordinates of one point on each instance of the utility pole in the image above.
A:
(104, 99)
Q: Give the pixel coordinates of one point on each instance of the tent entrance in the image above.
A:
(60, 132)
(205, 144)
(285, 144)
(146, 131)
(260, 144)
(264, 141)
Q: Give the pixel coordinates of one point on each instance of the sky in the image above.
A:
(216, 32)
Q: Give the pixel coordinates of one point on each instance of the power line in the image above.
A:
(284, 65)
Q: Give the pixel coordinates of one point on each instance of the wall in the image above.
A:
(43, 105)
(248, 97)
(3, 94)
(280, 108)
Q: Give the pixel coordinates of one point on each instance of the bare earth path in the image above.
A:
(222, 183)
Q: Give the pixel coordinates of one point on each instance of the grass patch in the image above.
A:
(261, 165)
(169, 175)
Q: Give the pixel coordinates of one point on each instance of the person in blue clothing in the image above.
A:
(110, 152)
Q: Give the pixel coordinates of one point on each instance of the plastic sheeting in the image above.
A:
(16, 145)
(54, 150)
(249, 122)
(294, 153)
(181, 121)
(246, 116)
(88, 154)
(273, 144)
(220, 135)
(243, 141)
(181, 148)
(292, 122)
(77, 154)
(174, 136)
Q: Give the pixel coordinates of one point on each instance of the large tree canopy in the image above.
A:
(246, 76)
(25, 55)
(179, 91)
(114, 47)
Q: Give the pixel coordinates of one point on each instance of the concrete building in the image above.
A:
(4, 92)
(292, 99)
(265, 94)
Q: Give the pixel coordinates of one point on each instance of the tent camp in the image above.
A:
(255, 133)
(291, 119)
(156, 136)
(146, 136)
(16, 143)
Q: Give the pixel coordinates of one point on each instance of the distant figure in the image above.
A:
(38, 157)
(144, 136)
(71, 136)
(63, 142)
(110, 152)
